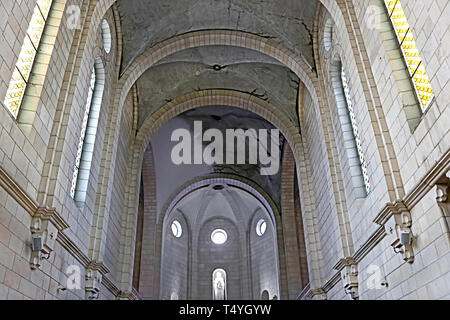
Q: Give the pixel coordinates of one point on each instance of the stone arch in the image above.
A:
(288, 58)
(221, 98)
(215, 38)
(240, 181)
(103, 5)
(234, 99)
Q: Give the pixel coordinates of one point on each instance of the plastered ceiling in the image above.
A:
(148, 22)
(241, 70)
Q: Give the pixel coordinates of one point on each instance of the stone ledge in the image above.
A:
(433, 177)
(35, 211)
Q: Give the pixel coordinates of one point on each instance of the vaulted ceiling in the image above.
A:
(148, 22)
(170, 177)
(240, 69)
(145, 23)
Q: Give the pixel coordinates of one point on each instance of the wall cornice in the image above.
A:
(50, 214)
(431, 178)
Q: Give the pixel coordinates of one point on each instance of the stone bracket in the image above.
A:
(317, 294)
(442, 198)
(442, 188)
(349, 276)
(397, 221)
(45, 225)
(94, 273)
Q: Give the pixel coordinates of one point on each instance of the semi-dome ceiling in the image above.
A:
(230, 202)
(148, 22)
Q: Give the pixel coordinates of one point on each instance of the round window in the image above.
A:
(219, 236)
(176, 229)
(261, 227)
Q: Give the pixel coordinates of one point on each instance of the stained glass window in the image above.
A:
(22, 70)
(83, 133)
(359, 149)
(412, 57)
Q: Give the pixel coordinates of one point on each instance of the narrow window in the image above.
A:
(411, 55)
(106, 35)
(357, 139)
(88, 134)
(24, 65)
(219, 284)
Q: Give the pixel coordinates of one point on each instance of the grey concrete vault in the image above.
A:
(236, 69)
(148, 22)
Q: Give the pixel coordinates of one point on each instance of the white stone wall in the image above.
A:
(417, 149)
(118, 191)
(325, 210)
(23, 149)
(38, 157)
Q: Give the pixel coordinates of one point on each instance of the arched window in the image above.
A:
(219, 284)
(106, 35)
(88, 134)
(27, 55)
(411, 55)
(328, 34)
(357, 161)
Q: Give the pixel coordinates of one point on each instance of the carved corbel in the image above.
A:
(93, 280)
(317, 294)
(45, 225)
(349, 276)
(94, 272)
(442, 198)
(397, 222)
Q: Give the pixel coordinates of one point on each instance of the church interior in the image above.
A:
(224, 150)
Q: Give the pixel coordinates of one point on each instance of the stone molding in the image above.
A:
(397, 221)
(436, 176)
(431, 179)
(45, 219)
(319, 294)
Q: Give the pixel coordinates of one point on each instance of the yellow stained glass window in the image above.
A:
(416, 68)
(22, 70)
